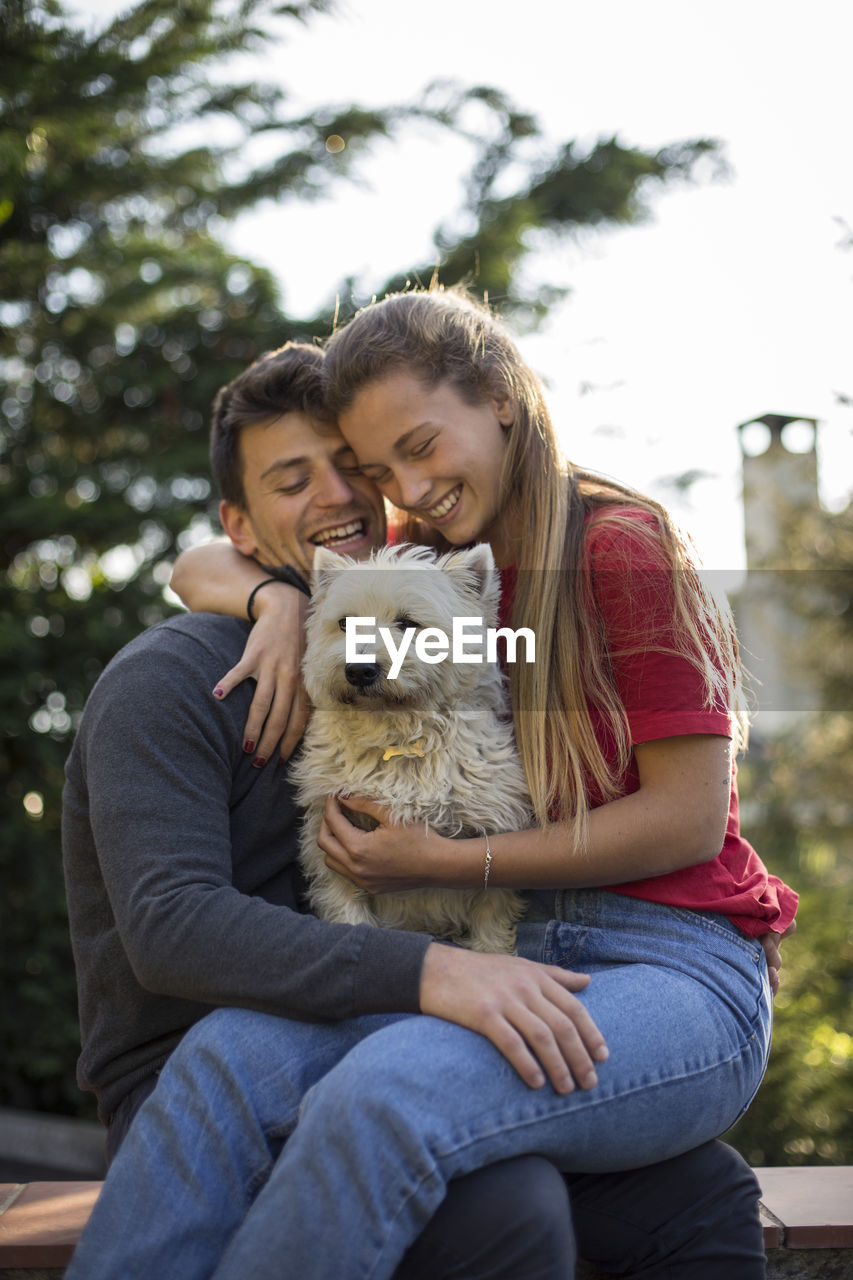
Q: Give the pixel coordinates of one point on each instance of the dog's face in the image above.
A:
(405, 592)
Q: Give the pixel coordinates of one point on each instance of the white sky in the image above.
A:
(735, 298)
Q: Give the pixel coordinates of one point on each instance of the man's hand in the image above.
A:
(771, 943)
(527, 1010)
(273, 658)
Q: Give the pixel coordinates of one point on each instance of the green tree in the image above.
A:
(121, 313)
(800, 790)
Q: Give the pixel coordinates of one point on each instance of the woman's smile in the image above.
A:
(446, 507)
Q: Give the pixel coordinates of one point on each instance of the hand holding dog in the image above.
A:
(390, 858)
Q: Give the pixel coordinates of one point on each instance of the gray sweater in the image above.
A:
(180, 866)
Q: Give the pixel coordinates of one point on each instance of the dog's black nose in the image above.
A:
(362, 674)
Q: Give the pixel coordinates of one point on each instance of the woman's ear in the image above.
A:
(505, 409)
(502, 401)
(238, 526)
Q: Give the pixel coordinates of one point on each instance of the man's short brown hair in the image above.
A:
(283, 381)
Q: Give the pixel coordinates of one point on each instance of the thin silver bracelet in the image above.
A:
(488, 866)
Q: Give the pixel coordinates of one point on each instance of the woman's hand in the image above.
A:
(771, 943)
(390, 858)
(273, 657)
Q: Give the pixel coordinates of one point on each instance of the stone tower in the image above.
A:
(780, 486)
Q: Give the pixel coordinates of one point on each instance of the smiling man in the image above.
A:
(288, 480)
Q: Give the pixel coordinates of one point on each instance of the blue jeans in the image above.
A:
(273, 1148)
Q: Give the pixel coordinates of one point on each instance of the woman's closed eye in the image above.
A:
(381, 474)
(424, 448)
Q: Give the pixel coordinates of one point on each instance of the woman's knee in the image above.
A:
(237, 1058)
(394, 1082)
(258, 1060)
(243, 1040)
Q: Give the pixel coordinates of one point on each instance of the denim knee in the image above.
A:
(265, 1061)
(224, 1035)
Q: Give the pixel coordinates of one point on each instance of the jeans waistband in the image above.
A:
(600, 906)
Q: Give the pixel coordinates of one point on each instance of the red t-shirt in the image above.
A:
(664, 697)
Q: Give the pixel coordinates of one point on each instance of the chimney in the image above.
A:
(779, 460)
(779, 456)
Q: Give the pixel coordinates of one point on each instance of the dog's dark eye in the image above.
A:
(405, 624)
(342, 623)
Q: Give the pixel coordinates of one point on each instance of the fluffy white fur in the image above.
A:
(469, 779)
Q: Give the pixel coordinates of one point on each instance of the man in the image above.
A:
(185, 897)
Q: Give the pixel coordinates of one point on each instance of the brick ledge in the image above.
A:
(807, 1214)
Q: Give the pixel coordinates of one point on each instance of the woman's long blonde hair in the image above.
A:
(445, 335)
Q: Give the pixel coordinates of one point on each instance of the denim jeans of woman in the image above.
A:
(273, 1148)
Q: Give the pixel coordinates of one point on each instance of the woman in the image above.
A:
(444, 416)
(625, 725)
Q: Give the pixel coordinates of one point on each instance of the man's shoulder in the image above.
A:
(186, 648)
(187, 633)
(168, 672)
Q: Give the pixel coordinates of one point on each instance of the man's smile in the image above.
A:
(340, 534)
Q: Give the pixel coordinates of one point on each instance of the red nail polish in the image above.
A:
(219, 692)
(258, 762)
(248, 746)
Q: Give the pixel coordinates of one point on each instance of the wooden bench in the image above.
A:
(807, 1215)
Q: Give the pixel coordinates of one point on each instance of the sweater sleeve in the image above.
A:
(162, 784)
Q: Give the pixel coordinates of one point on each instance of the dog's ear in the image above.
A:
(474, 573)
(323, 568)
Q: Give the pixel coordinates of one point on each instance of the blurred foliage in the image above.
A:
(122, 153)
(798, 791)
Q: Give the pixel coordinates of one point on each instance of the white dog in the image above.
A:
(434, 743)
